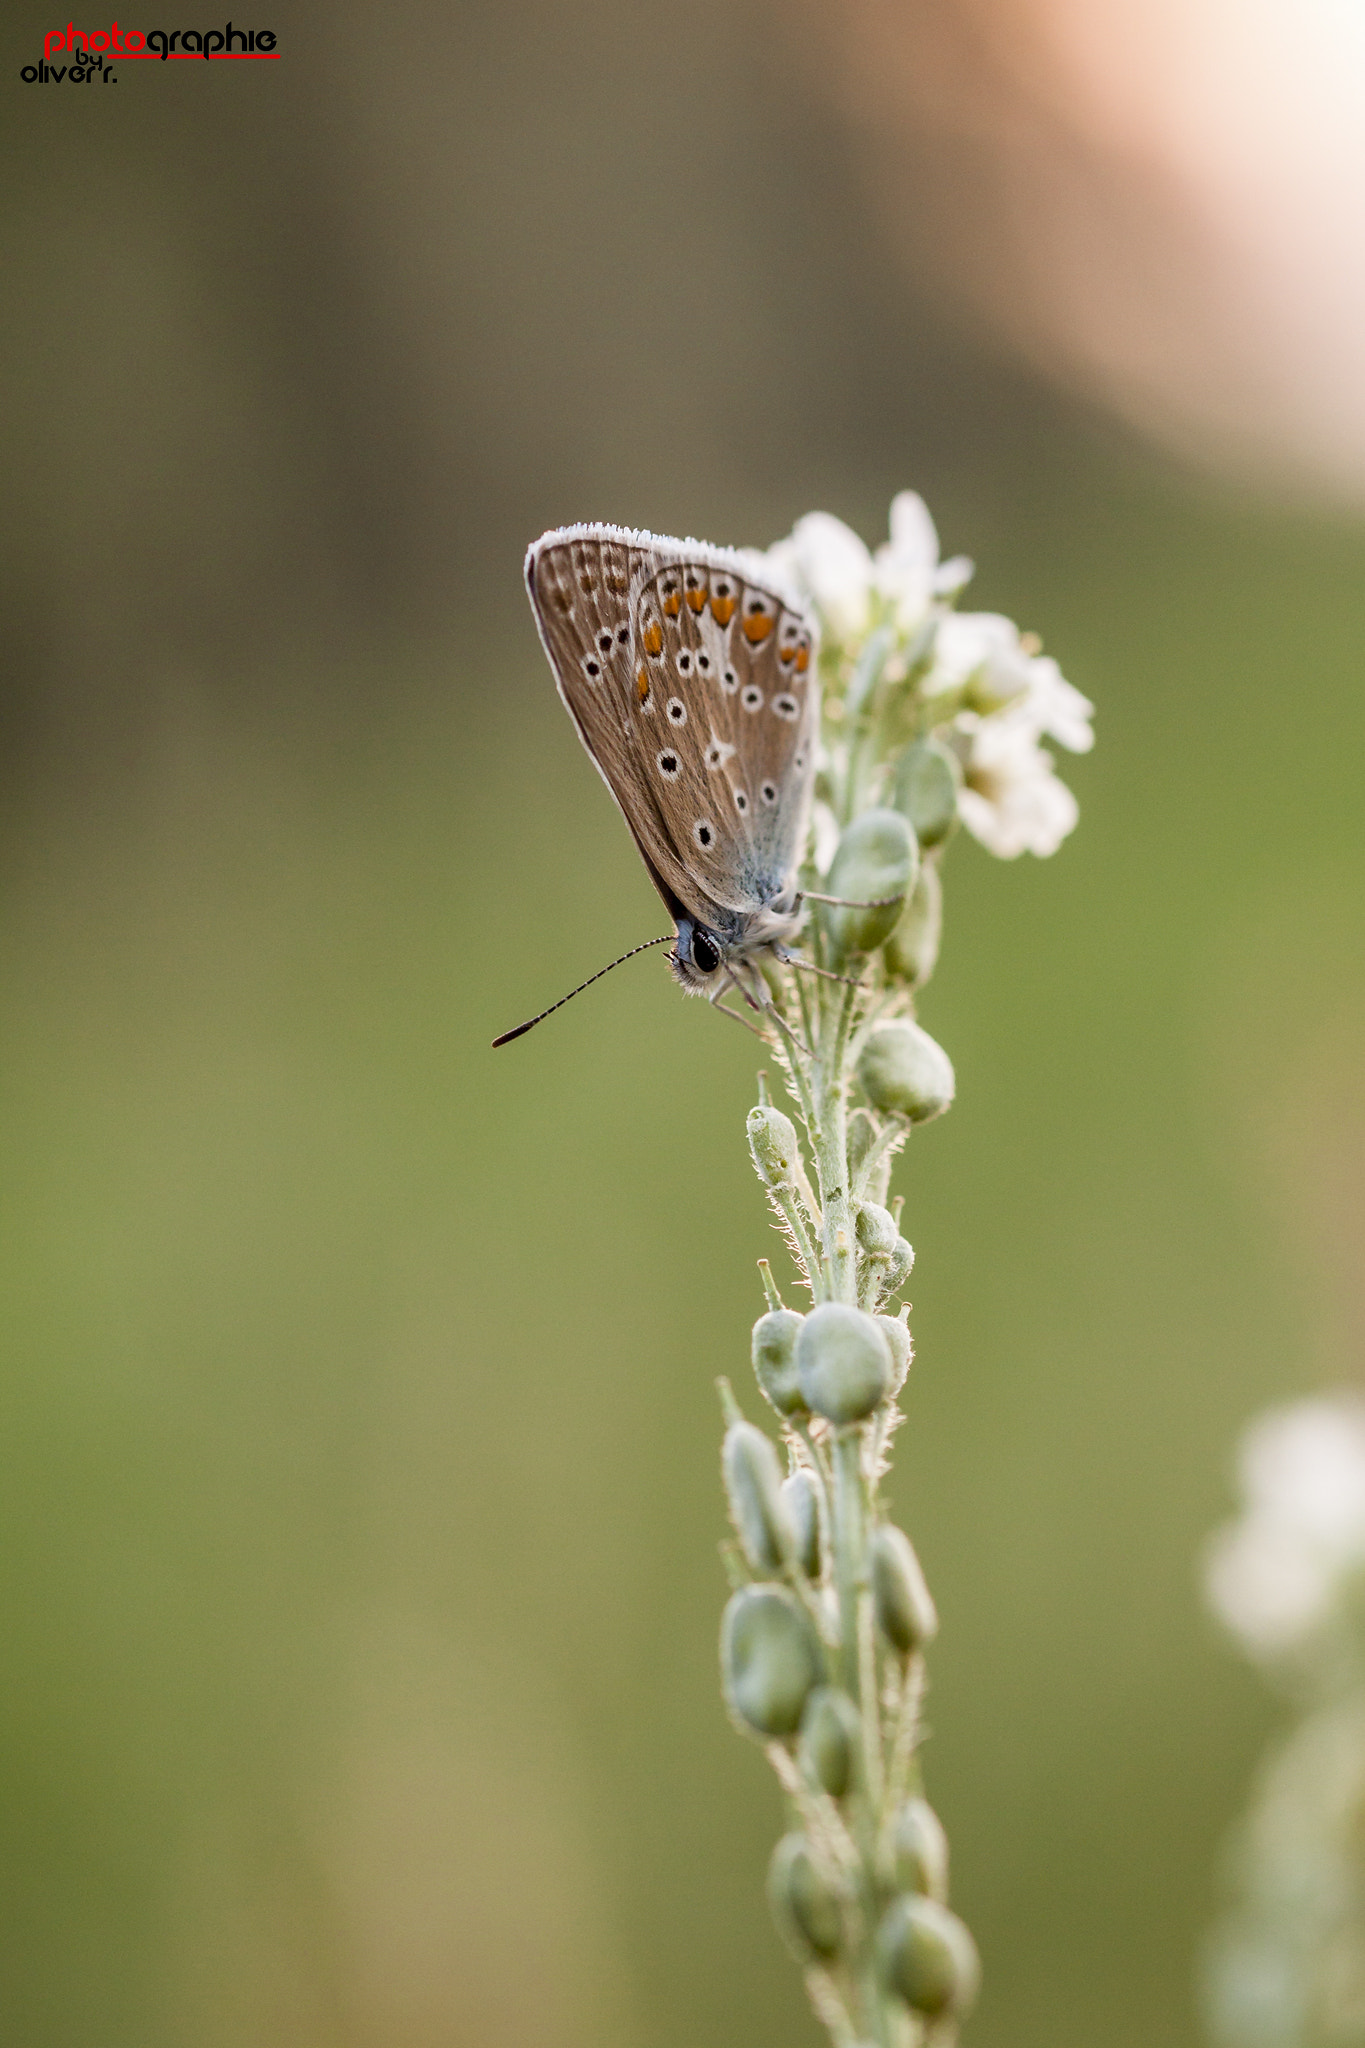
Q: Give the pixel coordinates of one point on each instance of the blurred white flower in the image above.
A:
(984, 649)
(987, 652)
(1057, 707)
(825, 562)
(1010, 799)
(1005, 696)
(1274, 1577)
(909, 575)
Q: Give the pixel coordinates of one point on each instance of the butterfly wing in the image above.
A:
(692, 686)
(727, 679)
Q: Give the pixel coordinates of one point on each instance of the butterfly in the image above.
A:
(693, 686)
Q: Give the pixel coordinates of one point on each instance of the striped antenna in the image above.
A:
(507, 1036)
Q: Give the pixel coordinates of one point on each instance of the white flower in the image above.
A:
(909, 575)
(987, 651)
(1010, 799)
(1057, 707)
(825, 562)
(1275, 1576)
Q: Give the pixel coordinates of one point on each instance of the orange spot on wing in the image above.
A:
(642, 684)
(757, 626)
(673, 603)
(802, 660)
(722, 610)
(696, 599)
(654, 637)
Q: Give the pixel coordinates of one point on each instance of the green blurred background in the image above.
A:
(360, 1503)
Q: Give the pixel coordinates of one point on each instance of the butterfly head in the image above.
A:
(698, 958)
(703, 958)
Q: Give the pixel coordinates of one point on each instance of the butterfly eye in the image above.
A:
(705, 952)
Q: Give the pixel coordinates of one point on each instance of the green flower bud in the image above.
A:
(877, 1232)
(911, 952)
(919, 1849)
(905, 1609)
(843, 1361)
(772, 1141)
(897, 1335)
(902, 1068)
(927, 1957)
(753, 1485)
(899, 1267)
(877, 859)
(801, 1499)
(805, 1904)
(928, 779)
(829, 1739)
(769, 1659)
(773, 1350)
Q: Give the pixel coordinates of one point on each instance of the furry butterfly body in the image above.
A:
(692, 684)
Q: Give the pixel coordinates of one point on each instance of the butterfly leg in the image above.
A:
(795, 960)
(718, 1005)
(848, 903)
(761, 1000)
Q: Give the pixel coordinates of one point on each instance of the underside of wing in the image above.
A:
(693, 689)
(728, 673)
